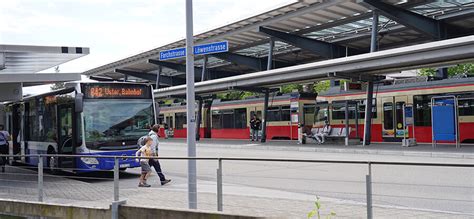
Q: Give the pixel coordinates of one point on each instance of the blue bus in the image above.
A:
(82, 119)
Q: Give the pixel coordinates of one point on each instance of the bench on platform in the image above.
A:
(334, 134)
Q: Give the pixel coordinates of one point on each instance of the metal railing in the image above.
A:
(219, 172)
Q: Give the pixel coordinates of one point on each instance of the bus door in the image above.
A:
(66, 135)
(392, 117)
(16, 121)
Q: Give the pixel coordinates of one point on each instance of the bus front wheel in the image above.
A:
(52, 162)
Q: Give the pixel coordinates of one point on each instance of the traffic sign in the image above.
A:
(210, 48)
(202, 49)
(172, 53)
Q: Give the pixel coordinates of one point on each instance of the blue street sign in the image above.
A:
(202, 49)
(211, 48)
(172, 53)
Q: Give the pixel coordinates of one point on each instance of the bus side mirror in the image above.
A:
(78, 103)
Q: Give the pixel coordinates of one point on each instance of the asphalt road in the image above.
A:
(439, 189)
(272, 188)
(421, 187)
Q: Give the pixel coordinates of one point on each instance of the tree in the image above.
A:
(235, 95)
(291, 87)
(461, 69)
(321, 86)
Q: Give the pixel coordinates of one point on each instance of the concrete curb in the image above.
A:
(339, 150)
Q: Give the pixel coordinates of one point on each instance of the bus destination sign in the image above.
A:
(116, 91)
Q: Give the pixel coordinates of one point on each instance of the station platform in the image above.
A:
(466, 151)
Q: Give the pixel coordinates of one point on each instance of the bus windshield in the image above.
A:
(114, 123)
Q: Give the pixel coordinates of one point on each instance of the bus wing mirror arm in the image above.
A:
(78, 103)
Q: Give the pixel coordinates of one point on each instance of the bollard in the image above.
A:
(219, 186)
(40, 178)
(116, 203)
(368, 181)
(116, 179)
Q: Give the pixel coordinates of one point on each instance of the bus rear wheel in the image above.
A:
(52, 162)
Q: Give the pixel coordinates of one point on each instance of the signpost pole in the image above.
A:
(190, 108)
(404, 143)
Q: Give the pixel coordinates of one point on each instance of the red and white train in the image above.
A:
(230, 119)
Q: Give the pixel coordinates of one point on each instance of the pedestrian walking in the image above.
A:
(4, 138)
(155, 163)
(255, 127)
(145, 151)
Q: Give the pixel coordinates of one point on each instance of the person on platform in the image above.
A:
(321, 136)
(255, 127)
(166, 127)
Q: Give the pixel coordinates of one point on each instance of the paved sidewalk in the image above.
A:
(422, 150)
(259, 202)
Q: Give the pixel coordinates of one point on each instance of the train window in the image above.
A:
(388, 116)
(422, 105)
(466, 107)
(180, 120)
(309, 114)
(161, 118)
(228, 119)
(216, 119)
(273, 114)
(322, 113)
(169, 121)
(339, 110)
(240, 118)
(259, 114)
(285, 113)
(361, 108)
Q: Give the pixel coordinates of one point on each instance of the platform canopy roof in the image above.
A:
(22, 63)
(304, 31)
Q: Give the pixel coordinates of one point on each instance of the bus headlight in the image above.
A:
(89, 160)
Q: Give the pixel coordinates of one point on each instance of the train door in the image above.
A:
(169, 120)
(400, 101)
(392, 118)
(207, 119)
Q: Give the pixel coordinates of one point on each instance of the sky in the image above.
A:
(114, 29)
